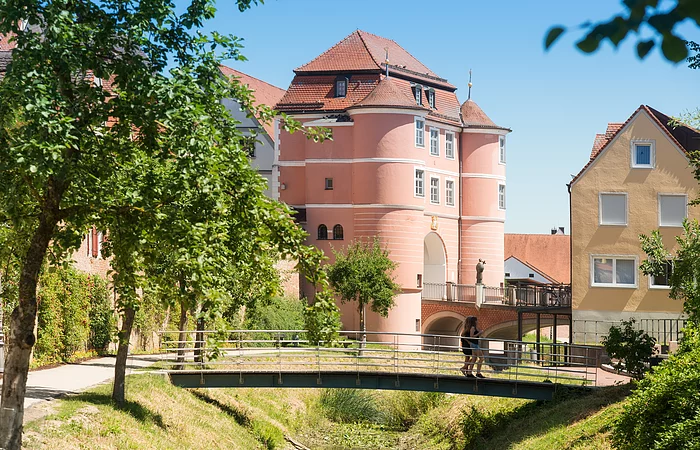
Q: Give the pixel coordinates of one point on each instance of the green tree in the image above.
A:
(363, 273)
(637, 17)
(632, 348)
(96, 130)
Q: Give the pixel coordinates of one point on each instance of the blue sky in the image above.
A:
(555, 102)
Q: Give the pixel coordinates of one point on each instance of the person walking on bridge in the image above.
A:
(474, 355)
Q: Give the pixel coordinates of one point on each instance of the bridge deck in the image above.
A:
(364, 380)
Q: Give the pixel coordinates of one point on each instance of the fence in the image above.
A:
(591, 332)
(529, 296)
(288, 351)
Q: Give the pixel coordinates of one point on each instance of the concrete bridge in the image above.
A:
(285, 359)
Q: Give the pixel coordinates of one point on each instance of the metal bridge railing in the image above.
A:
(285, 351)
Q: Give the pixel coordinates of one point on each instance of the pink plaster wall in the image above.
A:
(481, 239)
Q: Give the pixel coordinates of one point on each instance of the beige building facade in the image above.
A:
(638, 179)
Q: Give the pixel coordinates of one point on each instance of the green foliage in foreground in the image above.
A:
(630, 347)
(279, 313)
(75, 315)
(664, 411)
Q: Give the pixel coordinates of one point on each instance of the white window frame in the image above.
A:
(447, 198)
(501, 149)
(600, 209)
(437, 142)
(614, 284)
(100, 237)
(660, 286)
(451, 153)
(501, 208)
(415, 183)
(430, 93)
(418, 95)
(437, 190)
(419, 132)
(633, 153)
(670, 194)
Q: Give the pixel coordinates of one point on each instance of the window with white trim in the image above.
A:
(435, 190)
(502, 196)
(431, 97)
(614, 271)
(418, 93)
(502, 149)
(613, 208)
(449, 192)
(662, 280)
(643, 154)
(673, 209)
(420, 132)
(449, 145)
(329, 184)
(435, 142)
(419, 183)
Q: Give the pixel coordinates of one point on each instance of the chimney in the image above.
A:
(554, 231)
(561, 230)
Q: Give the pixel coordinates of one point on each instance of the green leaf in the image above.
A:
(589, 44)
(553, 34)
(644, 47)
(674, 48)
(32, 168)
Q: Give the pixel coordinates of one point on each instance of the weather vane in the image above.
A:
(469, 96)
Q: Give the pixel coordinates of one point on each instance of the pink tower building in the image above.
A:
(407, 164)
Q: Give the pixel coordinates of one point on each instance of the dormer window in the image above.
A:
(341, 87)
(431, 97)
(418, 94)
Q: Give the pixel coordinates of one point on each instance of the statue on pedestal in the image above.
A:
(480, 271)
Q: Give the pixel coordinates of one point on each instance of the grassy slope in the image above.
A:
(162, 416)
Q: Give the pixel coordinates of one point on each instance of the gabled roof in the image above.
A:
(534, 269)
(264, 93)
(366, 52)
(549, 254)
(388, 94)
(685, 137)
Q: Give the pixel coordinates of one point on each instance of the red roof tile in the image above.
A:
(264, 93)
(598, 143)
(473, 116)
(549, 254)
(317, 93)
(388, 94)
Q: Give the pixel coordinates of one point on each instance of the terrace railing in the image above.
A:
(521, 296)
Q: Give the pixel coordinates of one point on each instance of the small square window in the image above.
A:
(341, 88)
(329, 184)
(643, 156)
(673, 209)
(507, 274)
(613, 208)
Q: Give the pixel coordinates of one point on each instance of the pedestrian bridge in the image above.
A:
(285, 359)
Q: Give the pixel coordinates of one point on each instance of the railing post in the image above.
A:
(279, 357)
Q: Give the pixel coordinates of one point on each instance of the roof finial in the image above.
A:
(386, 60)
(469, 96)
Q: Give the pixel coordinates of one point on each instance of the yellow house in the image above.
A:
(638, 179)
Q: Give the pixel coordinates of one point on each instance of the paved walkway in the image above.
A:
(47, 384)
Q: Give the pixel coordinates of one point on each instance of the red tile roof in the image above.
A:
(388, 94)
(362, 51)
(264, 93)
(685, 137)
(549, 254)
(317, 93)
(473, 116)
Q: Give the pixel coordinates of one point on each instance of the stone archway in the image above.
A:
(434, 267)
(444, 323)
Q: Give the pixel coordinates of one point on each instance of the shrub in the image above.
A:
(350, 406)
(403, 408)
(281, 313)
(664, 411)
(632, 348)
(102, 319)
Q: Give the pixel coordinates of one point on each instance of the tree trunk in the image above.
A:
(181, 336)
(363, 326)
(22, 338)
(122, 353)
(199, 338)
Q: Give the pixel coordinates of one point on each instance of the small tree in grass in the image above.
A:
(364, 273)
(631, 348)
